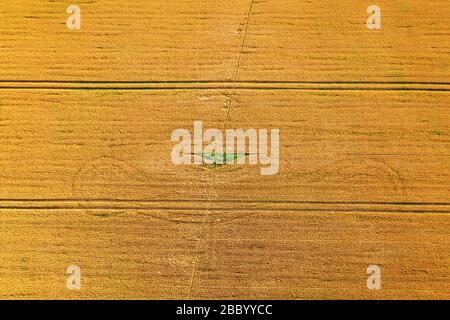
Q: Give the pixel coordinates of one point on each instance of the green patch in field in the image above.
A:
(103, 215)
(437, 133)
(220, 159)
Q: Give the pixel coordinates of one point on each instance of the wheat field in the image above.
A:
(86, 176)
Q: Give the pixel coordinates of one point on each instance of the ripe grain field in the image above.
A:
(86, 176)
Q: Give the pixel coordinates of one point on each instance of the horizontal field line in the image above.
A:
(225, 85)
(220, 81)
(318, 210)
(225, 201)
(232, 88)
(185, 207)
